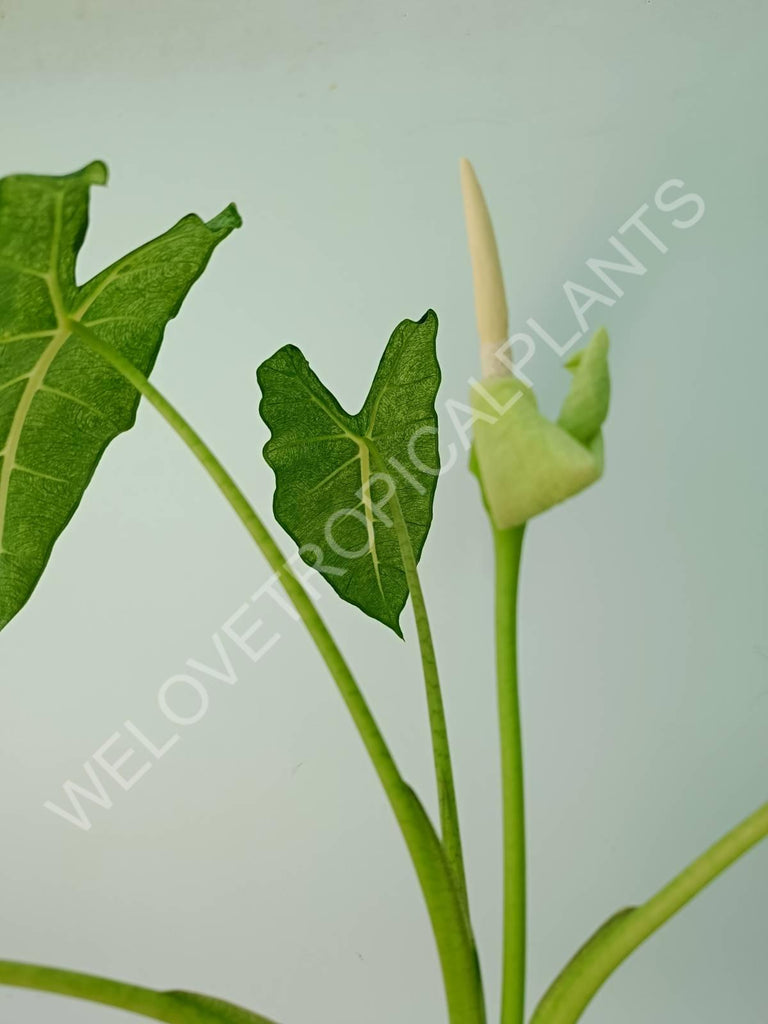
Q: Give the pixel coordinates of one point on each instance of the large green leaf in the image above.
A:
(60, 404)
(336, 472)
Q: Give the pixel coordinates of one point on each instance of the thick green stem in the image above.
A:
(508, 550)
(452, 934)
(574, 988)
(441, 751)
(171, 1007)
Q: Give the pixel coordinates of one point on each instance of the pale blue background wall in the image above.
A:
(337, 128)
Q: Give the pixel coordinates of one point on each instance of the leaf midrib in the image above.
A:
(363, 456)
(36, 377)
(364, 442)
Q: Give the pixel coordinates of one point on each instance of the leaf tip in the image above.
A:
(94, 173)
(390, 617)
(227, 220)
(430, 317)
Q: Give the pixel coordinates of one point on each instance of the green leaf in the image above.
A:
(61, 404)
(335, 472)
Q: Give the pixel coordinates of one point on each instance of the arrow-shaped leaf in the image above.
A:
(60, 404)
(336, 472)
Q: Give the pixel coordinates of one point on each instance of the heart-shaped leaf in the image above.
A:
(60, 404)
(336, 472)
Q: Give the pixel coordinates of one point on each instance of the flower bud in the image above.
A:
(525, 463)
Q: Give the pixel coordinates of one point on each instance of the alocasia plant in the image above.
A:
(355, 493)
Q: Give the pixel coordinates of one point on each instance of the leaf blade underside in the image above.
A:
(60, 404)
(327, 462)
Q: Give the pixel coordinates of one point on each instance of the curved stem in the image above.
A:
(441, 751)
(508, 549)
(171, 1007)
(574, 988)
(453, 937)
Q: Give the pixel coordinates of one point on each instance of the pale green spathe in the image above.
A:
(525, 462)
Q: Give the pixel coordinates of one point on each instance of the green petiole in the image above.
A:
(450, 925)
(171, 1007)
(576, 985)
(449, 814)
(508, 549)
